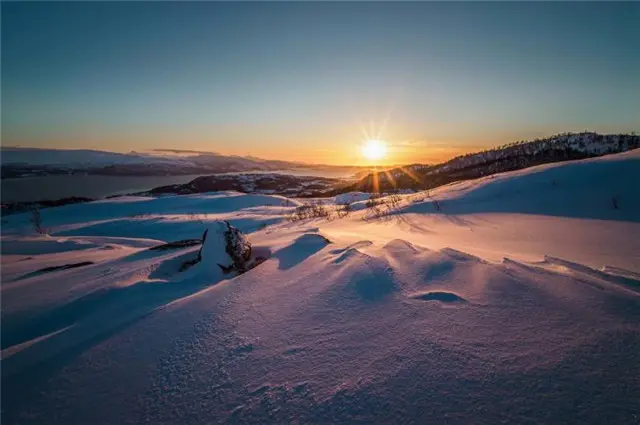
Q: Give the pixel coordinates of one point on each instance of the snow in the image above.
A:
(164, 218)
(350, 197)
(516, 302)
(555, 190)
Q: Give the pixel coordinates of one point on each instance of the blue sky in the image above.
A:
(300, 80)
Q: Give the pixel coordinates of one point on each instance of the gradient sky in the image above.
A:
(299, 81)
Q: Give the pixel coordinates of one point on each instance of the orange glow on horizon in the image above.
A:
(345, 152)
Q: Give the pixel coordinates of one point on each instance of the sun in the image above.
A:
(374, 149)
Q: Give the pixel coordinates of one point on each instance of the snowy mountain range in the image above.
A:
(22, 162)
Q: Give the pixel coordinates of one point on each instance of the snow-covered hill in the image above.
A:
(590, 144)
(514, 298)
(509, 157)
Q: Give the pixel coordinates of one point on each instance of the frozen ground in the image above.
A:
(509, 299)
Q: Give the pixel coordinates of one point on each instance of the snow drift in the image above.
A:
(602, 188)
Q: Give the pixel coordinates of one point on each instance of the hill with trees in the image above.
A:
(508, 157)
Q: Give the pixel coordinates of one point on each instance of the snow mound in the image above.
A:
(599, 188)
(362, 277)
(300, 249)
(349, 253)
(360, 244)
(371, 286)
(311, 239)
(400, 246)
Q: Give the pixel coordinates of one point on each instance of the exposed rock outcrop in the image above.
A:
(224, 249)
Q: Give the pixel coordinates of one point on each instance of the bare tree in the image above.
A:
(36, 221)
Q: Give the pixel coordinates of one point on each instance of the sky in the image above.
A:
(309, 81)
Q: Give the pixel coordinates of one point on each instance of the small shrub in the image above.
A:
(418, 197)
(344, 210)
(373, 202)
(320, 211)
(139, 215)
(309, 211)
(374, 207)
(394, 200)
(301, 212)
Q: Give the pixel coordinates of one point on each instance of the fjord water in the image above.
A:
(37, 188)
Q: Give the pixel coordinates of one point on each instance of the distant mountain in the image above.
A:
(509, 157)
(23, 162)
(72, 158)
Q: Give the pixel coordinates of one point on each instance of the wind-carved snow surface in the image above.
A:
(515, 300)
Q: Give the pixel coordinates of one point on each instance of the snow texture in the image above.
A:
(517, 301)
